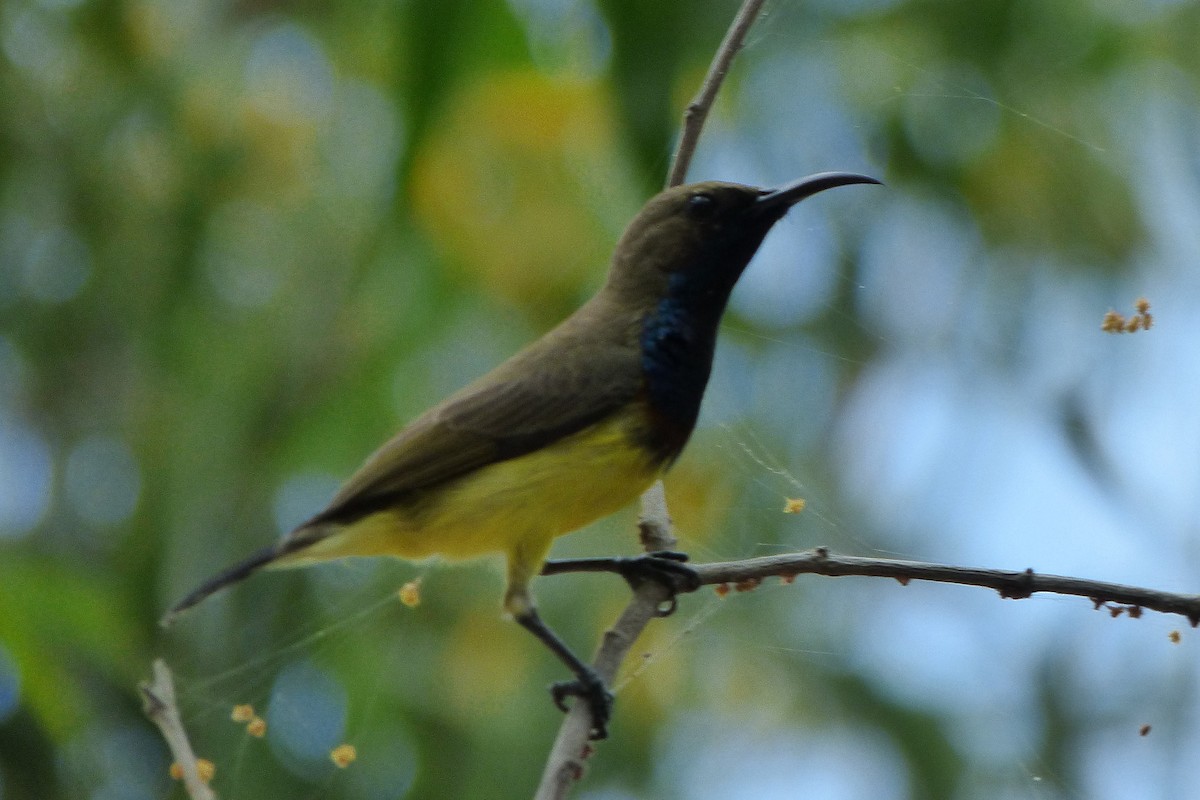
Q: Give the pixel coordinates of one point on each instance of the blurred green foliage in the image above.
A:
(241, 243)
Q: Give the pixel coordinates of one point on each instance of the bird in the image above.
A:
(566, 431)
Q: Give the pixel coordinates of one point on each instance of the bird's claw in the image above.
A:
(590, 688)
(664, 566)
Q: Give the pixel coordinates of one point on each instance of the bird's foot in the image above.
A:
(590, 688)
(666, 567)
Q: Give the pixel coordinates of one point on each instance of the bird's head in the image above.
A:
(702, 235)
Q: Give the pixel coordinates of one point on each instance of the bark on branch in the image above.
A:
(1016, 585)
(158, 702)
(566, 762)
(697, 111)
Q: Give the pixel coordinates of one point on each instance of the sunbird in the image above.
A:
(568, 430)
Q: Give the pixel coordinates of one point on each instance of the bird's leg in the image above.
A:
(587, 684)
(664, 566)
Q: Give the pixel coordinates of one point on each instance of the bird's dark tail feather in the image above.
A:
(298, 540)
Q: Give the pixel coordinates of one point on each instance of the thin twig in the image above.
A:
(158, 702)
(697, 110)
(565, 764)
(1009, 583)
(654, 521)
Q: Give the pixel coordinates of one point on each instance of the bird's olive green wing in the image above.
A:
(506, 414)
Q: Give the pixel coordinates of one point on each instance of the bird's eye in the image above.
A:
(701, 206)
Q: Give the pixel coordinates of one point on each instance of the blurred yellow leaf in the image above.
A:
(486, 663)
(518, 188)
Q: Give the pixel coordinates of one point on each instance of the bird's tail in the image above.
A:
(275, 555)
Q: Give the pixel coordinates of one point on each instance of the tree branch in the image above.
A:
(1015, 585)
(654, 521)
(566, 762)
(697, 111)
(158, 702)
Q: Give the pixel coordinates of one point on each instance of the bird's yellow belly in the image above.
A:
(516, 507)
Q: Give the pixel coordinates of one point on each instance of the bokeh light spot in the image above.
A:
(10, 686)
(288, 75)
(364, 143)
(103, 481)
(56, 266)
(25, 470)
(300, 497)
(306, 717)
(246, 251)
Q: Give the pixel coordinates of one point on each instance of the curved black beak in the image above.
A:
(779, 200)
